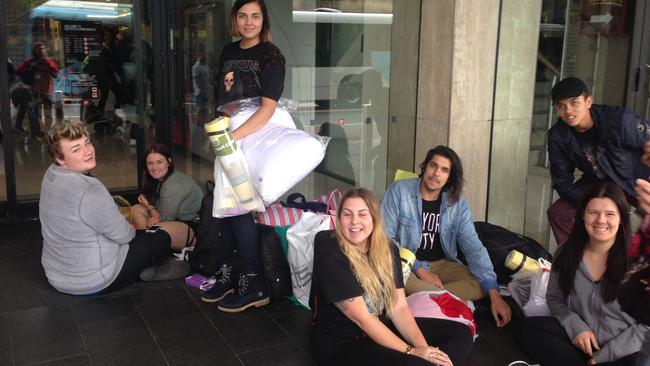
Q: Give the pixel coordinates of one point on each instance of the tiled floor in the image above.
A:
(160, 323)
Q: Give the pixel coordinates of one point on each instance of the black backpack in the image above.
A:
(500, 241)
(203, 258)
(274, 263)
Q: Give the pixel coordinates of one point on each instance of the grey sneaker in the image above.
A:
(169, 271)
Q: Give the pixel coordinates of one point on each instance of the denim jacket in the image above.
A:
(402, 216)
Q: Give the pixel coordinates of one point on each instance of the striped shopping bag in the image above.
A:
(278, 215)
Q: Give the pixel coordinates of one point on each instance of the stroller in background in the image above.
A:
(105, 123)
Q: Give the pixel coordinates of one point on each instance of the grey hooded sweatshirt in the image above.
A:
(617, 333)
(85, 238)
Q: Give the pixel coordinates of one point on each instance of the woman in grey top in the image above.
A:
(167, 194)
(588, 325)
(88, 246)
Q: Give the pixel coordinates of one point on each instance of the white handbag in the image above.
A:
(300, 253)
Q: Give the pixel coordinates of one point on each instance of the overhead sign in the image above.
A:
(81, 46)
(80, 40)
(603, 16)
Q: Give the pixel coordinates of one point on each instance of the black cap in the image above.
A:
(569, 88)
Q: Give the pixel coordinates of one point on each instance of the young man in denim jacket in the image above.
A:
(430, 217)
(603, 142)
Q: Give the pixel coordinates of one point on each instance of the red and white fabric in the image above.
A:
(443, 304)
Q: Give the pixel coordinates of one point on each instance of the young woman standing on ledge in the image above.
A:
(250, 67)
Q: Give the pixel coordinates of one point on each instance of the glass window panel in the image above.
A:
(78, 61)
(199, 31)
(337, 70)
(585, 39)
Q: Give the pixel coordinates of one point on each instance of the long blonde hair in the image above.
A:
(374, 270)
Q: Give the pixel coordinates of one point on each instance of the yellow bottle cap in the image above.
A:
(407, 256)
(517, 261)
(218, 124)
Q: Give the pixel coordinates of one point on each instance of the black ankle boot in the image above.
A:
(219, 285)
(251, 291)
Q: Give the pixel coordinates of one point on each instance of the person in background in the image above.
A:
(603, 142)
(201, 87)
(39, 72)
(23, 100)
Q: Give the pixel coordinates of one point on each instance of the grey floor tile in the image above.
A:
(104, 308)
(250, 330)
(146, 355)
(29, 292)
(485, 353)
(297, 325)
(288, 354)
(504, 338)
(198, 348)
(44, 334)
(123, 341)
(80, 360)
(284, 306)
(23, 284)
(6, 355)
(170, 312)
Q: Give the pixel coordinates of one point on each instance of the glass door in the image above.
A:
(638, 98)
(79, 61)
(198, 31)
(605, 43)
(337, 73)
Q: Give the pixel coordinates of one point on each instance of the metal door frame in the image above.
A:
(639, 71)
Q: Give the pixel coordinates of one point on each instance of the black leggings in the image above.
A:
(546, 342)
(145, 250)
(453, 338)
(240, 233)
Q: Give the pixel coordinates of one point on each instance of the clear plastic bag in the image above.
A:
(528, 289)
(227, 201)
(234, 193)
(248, 104)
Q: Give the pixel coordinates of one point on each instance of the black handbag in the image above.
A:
(274, 262)
(634, 293)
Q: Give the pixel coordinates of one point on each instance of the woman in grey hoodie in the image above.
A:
(588, 326)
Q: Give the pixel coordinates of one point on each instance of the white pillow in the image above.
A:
(278, 155)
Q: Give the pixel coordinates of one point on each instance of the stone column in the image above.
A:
(403, 86)
(513, 108)
(458, 44)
